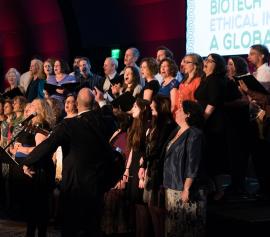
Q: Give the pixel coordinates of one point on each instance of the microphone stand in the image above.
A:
(12, 141)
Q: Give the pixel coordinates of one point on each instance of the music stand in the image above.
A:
(5, 157)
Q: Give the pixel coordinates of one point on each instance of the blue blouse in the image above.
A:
(165, 90)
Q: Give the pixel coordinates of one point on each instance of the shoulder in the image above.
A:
(197, 80)
(195, 132)
(138, 88)
(174, 83)
(70, 78)
(152, 84)
(21, 88)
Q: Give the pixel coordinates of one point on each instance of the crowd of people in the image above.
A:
(178, 129)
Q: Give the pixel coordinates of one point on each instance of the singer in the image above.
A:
(36, 191)
(27, 119)
(87, 163)
(88, 79)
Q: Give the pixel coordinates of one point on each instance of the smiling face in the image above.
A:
(11, 78)
(27, 110)
(8, 109)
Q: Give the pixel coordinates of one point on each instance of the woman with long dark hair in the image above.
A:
(136, 141)
(161, 127)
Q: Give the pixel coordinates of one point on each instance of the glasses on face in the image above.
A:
(209, 60)
(187, 62)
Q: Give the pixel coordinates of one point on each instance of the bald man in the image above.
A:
(86, 166)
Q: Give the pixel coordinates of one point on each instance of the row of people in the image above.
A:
(225, 109)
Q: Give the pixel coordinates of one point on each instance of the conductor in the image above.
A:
(86, 166)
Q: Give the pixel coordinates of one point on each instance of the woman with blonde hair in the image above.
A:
(36, 86)
(39, 189)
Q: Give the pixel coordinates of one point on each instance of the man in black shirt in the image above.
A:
(86, 78)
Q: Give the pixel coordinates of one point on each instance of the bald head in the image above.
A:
(85, 99)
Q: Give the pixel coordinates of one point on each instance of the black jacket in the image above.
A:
(86, 160)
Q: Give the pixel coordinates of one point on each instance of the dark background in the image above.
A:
(66, 28)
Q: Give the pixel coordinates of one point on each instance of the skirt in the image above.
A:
(185, 219)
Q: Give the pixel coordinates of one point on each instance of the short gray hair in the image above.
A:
(114, 61)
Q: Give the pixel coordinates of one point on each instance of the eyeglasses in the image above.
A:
(209, 60)
(187, 62)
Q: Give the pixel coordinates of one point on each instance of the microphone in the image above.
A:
(26, 120)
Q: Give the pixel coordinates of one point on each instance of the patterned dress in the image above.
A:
(185, 219)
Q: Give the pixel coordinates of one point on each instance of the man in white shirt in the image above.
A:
(162, 53)
(259, 57)
(110, 66)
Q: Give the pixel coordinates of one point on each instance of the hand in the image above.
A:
(185, 196)
(60, 91)
(141, 183)
(261, 115)
(141, 173)
(17, 146)
(120, 185)
(125, 176)
(28, 171)
(98, 95)
(116, 89)
(242, 86)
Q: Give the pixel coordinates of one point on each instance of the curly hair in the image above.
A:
(173, 69)
(64, 65)
(151, 64)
